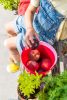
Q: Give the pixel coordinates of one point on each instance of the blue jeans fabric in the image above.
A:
(47, 21)
(20, 29)
(46, 24)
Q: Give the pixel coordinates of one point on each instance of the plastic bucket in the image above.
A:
(46, 50)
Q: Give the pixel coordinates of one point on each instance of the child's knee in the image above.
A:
(6, 43)
(7, 27)
(10, 43)
(10, 30)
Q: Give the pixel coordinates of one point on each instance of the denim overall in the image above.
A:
(47, 21)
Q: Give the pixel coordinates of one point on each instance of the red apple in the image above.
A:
(32, 65)
(34, 55)
(46, 63)
(35, 44)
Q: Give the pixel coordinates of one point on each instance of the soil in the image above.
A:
(32, 96)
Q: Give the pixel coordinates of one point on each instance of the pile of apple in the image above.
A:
(37, 63)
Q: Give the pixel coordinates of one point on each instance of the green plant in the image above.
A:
(10, 4)
(55, 87)
(27, 83)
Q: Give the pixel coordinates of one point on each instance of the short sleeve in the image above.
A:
(35, 3)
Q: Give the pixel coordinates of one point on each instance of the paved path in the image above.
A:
(8, 81)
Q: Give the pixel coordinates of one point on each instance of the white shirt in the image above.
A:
(35, 3)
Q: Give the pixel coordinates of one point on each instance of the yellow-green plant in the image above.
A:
(27, 83)
(10, 4)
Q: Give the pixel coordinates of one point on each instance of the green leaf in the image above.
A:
(55, 87)
(10, 4)
(28, 83)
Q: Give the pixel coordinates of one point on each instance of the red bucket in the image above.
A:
(46, 50)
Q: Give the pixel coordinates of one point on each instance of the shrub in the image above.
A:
(27, 83)
(10, 4)
(55, 87)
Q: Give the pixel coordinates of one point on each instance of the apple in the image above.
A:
(32, 65)
(34, 55)
(46, 63)
(35, 44)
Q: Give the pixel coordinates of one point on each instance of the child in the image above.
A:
(13, 29)
(47, 23)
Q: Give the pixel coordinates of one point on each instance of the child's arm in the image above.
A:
(30, 32)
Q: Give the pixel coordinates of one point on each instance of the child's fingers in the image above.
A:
(31, 39)
(28, 42)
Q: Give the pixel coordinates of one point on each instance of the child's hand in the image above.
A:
(30, 33)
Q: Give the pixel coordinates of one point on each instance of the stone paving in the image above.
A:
(8, 82)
